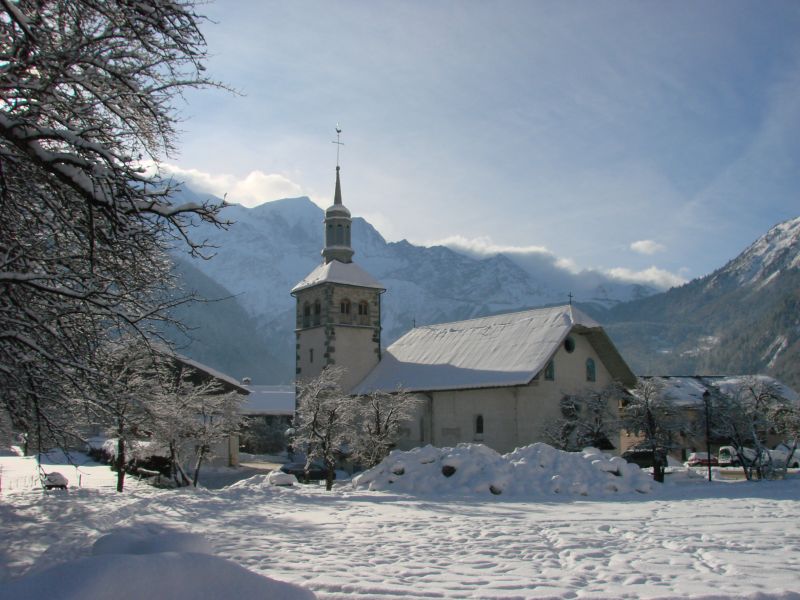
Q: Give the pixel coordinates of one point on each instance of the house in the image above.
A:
(496, 380)
(686, 393)
(268, 412)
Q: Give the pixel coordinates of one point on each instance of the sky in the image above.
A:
(652, 141)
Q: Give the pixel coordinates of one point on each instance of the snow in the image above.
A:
(688, 391)
(534, 471)
(501, 350)
(684, 539)
(768, 255)
(123, 565)
(338, 272)
(269, 400)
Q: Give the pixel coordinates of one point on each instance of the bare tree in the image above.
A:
(87, 90)
(745, 412)
(324, 419)
(124, 403)
(785, 417)
(588, 418)
(651, 414)
(377, 423)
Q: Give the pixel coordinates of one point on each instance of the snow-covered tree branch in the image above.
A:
(87, 90)
(377, 421)
(746, 412)
(652, 415)
(324, 419)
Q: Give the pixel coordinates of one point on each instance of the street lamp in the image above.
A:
(706, 400)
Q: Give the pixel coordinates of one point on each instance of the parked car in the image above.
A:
(781, 454)
(701, 459)
(55, 481)
(316, 472)
(729, 457)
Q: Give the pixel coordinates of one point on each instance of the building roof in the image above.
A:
(338, 272)
(210, 371)
(688, 391)
(502, 350)
(269, 400)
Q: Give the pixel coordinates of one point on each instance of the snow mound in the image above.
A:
(535, 470)
(126, 563)
(137, 542)
(258, 483)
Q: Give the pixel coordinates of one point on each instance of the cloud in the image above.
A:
(255, 188)
(483, 246)
(543, 264)
(659, 278)
(647, 247)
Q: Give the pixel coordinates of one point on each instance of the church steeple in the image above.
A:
(338, 317)
(337, 222)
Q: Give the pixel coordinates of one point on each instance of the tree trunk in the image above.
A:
(201, 453)
(120, 463)
(658, 465)
(330, 469)
(175, 467)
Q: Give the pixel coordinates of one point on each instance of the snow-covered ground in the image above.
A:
(688, 539)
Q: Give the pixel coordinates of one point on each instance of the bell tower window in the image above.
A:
(317, 312)
(306, 314)
(363, 312)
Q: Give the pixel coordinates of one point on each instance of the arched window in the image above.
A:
(363, 312)
(311, 355)
(329, 235)
(591, 374)
(344, 306)
(317, 312)
(339, 235)
(347, 235)
(306, 314)
(550, 372)
(479, 425)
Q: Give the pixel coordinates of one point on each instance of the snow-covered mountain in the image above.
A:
(768, 257)
(742, 318)
(273, 246)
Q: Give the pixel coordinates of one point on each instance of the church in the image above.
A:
(495, 380)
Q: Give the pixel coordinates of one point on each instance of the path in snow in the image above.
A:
(373, 545)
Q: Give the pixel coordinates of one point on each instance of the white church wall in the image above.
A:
(310, 352)
(512, 416)
(354, 349)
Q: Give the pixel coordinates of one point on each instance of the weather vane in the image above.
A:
(338, 143)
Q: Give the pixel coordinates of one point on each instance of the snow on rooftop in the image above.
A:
(501, 350)
(208, 370)
(269, 400)
(688, 391)
(338, 272)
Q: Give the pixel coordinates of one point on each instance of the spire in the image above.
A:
(337, 220)
(337, 194)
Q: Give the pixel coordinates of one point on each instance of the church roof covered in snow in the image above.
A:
(502, 350)
(338, 272)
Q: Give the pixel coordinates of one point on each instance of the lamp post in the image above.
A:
(706, 399)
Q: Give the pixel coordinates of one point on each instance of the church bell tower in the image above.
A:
(338, 314)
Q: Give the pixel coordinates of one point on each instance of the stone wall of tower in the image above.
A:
(336, 337)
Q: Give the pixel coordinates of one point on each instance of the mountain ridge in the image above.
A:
(742, 318)
(274, 245)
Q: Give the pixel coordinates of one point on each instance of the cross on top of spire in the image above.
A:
(338, 143)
